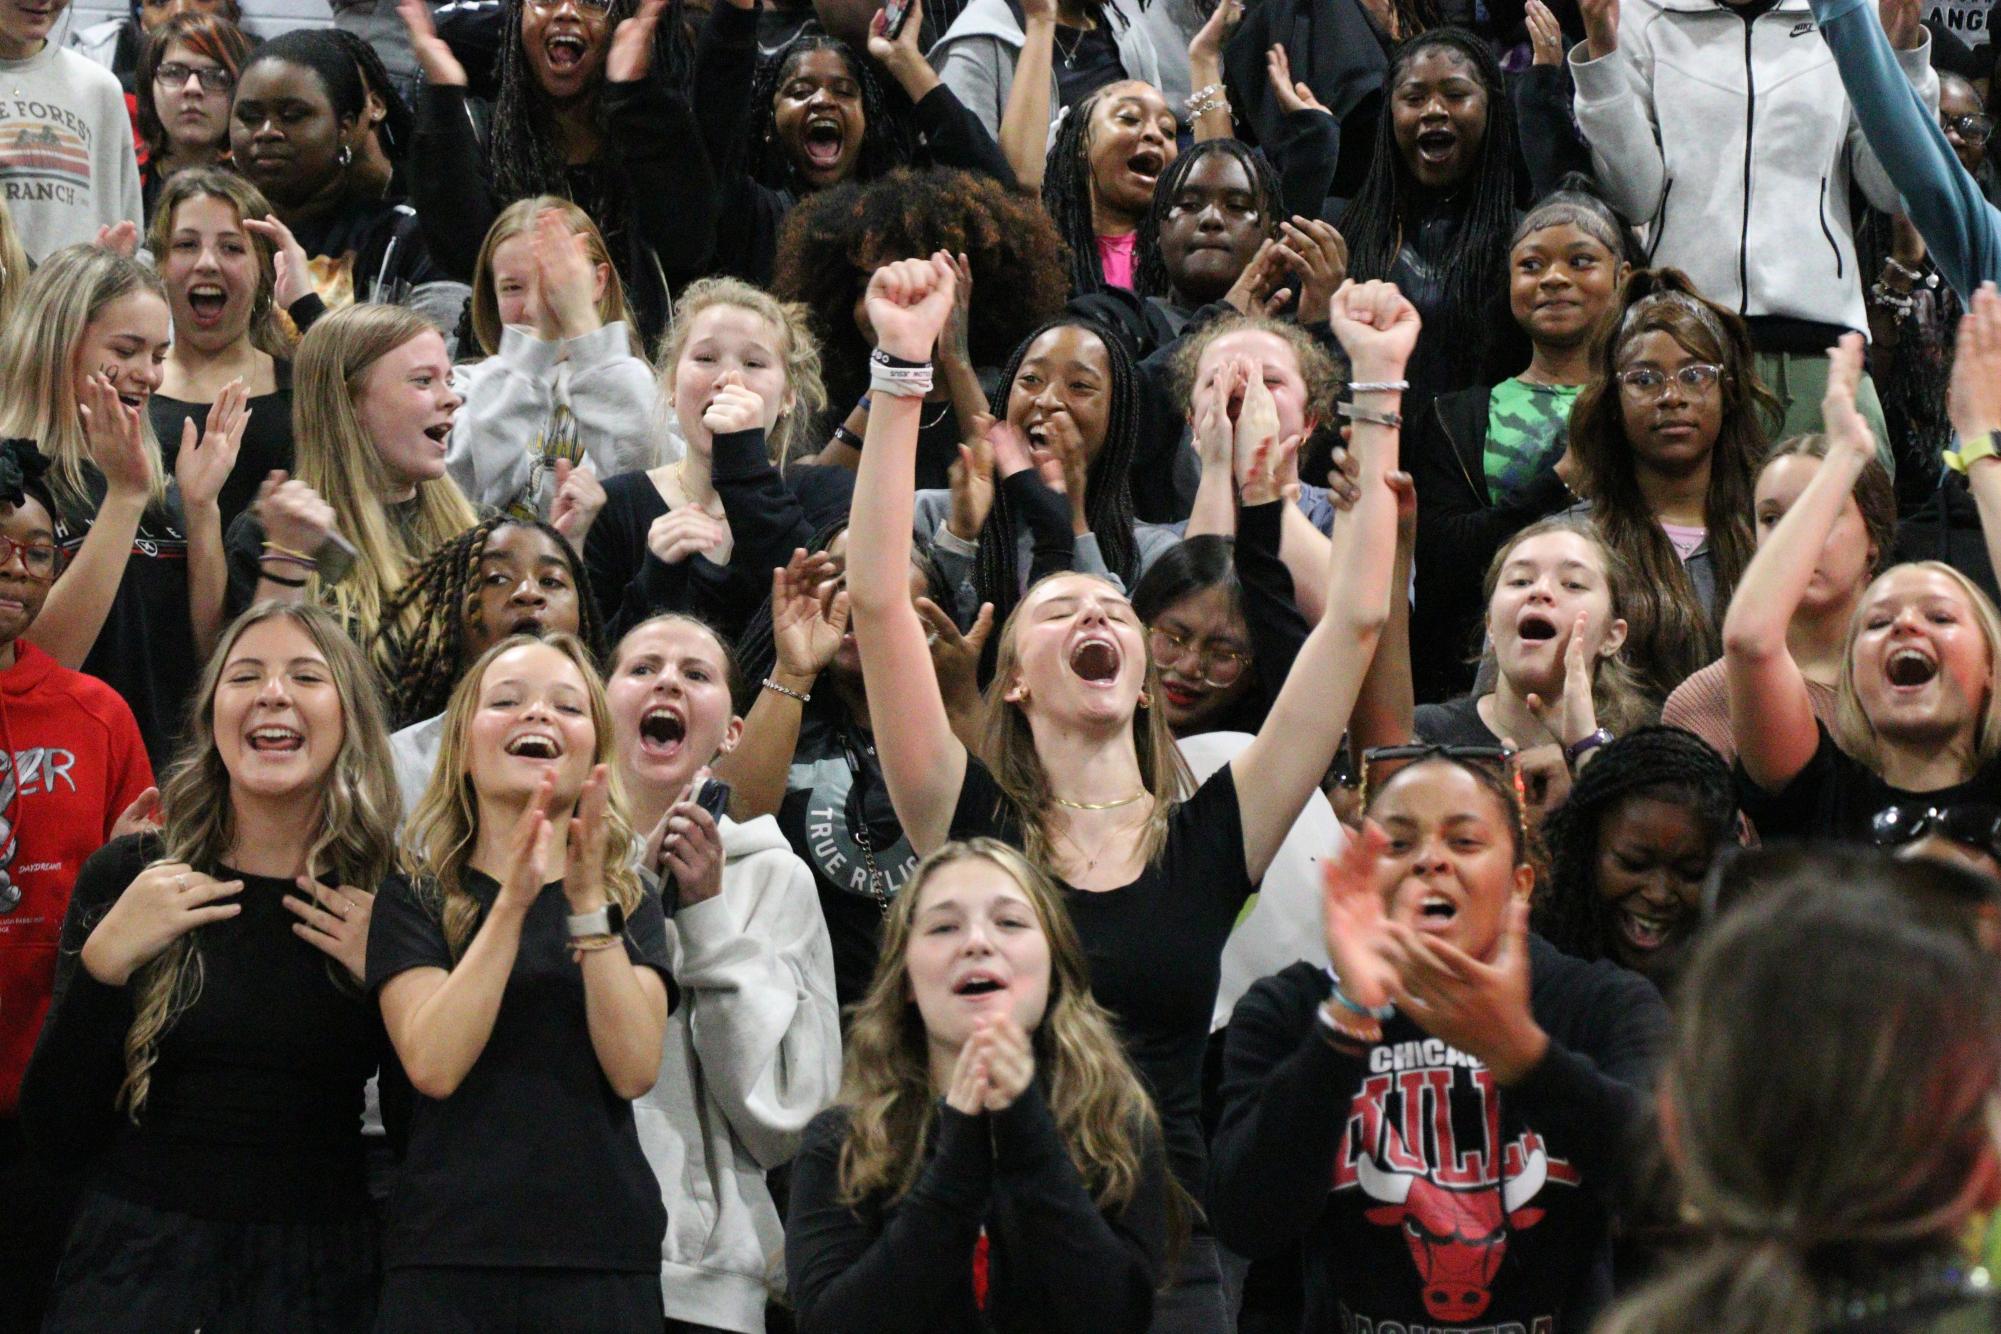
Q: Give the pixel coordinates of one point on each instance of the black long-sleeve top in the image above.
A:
(254, 1112)
(630, 583)
(772, 514)
(1056, 1263)
(725, 62)
(1374, 1162)
(651, 191)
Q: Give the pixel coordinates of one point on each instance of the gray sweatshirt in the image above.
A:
(66, 161)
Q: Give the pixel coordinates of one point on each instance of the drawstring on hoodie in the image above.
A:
(10, 893)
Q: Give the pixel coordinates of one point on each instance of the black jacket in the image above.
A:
(1459, 528)
(1499, 1210)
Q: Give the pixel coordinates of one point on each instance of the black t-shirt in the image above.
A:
(533, 1162)
(833, 791)
(1090, 63)
(146, 650)
(1837, 797)
(254, 1111)
(1456, 722)
(1156, 946)
(267, 439)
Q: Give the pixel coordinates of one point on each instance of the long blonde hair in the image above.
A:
(1851, 728)
(519, 219)
(801, 351)
(1101, 1111)
(266, 334)
(38, 360)
(337, 459)
(1007, 746)
(444, 828)
(356, 832)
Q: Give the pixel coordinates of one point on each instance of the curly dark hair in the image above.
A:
(1108, 498)
(886, 139)
(1152, 278)
(427, 663)
(1376, 220)
(833, 241)
(1665, 763)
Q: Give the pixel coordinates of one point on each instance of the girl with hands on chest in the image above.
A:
(231, 940)
(986, 1111)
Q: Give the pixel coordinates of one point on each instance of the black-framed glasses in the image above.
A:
(1220, 667)
(1505, 760)
(1974, 825)
(37, 558)
(1648, 381)
(1975, 129)
(214, 78)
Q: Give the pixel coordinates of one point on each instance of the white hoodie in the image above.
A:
(1737, 151)
(753, 1053)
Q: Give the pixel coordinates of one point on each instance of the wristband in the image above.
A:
(1376, 1012)
(847, 437)
(1379, 387)
(1902, 270)
(801, 695)
(586, 944)
(1971, 452)
(1342, 1037)
(303, 562)
(897, 377)
(1369, 416)
(280, 580)
(1584, 745)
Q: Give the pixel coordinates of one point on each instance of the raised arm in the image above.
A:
(449, 184)
(1615, 110)
(1205, 73)
(806, 632)
(1976, 406)
(200, 469)
(1283, 766)
(1771, 714)
(81, 598)
(1024, 127)
(923, 763)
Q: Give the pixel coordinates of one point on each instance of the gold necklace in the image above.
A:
(1100, 805)
(1104, 846)
(688, 494)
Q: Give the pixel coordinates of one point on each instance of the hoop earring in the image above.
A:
(1145, 701)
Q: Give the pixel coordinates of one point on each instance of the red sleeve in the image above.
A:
(127, 771)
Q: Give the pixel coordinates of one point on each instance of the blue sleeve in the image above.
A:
(1944, 201)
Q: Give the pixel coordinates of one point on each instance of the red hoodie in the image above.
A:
(70, 762)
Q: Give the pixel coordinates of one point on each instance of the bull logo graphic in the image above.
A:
(1457, 1237)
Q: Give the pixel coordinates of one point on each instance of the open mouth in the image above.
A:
(206, 302)
(271, 739)
(1147, 164)
(1096, 660)
(534, 746)
(1644, 930)
(823, 140)
(526, 625)
(1908, 669)
(1436, 146)
(978, 984)
(565, 50)
(132, 400)
(661, 731)
(1535, 628)
(440, 434)
(1435, 912)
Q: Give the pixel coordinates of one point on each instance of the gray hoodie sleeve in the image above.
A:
(1615, 109)
(979, 71)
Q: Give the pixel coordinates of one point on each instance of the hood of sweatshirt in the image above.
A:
(752, 837)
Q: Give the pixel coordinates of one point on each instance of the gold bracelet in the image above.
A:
(588, 944)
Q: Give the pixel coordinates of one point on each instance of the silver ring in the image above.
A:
(181, 883)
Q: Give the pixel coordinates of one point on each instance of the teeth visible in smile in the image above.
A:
(662, 727)
(534, 745)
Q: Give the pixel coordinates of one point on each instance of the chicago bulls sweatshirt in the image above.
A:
(1426, 1197)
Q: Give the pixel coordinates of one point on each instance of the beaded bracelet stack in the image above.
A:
(1206, 99)
(284, 555)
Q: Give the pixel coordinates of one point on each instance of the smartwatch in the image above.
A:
(606, 921)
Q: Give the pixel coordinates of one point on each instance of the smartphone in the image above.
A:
(895, 13)
(335, 557)
(713, 796)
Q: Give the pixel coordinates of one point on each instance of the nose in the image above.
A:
(527, 592)
(1429, 859)
(192, 85)
(976, 942)
(451, 400)
(266, 130)
(1210, 219)
(148, 372)
(275, 693)
(12, 554)
(1433, 108)
(208, 261)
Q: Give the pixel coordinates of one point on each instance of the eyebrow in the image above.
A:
(306, 659)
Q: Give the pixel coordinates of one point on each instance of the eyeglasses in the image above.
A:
(1220, 667)
(37, 558)
(1975, 825)
(1975, 129)
(1502, 759)
(1647, 382)
(214, 78)
(583, 6)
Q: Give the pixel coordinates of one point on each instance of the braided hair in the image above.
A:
(1152, 278)
(397, 123)
(1066, 194)
(426, 663)
(1382, 212)
(1663, 763)
(1108, 500)
(886, 140)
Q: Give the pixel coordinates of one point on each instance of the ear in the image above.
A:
(600, 281)
(731, 735)
(1615, 638)
(1625, 272)
(1017, 691)
(1524, 879)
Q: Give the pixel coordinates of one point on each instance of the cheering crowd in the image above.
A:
(1031, 666)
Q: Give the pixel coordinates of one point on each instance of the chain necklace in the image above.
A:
(1092, 859)
(1101, 805)
(1069, 53)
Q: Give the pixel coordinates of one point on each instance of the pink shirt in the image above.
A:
(1687, 540)
(1118, 258)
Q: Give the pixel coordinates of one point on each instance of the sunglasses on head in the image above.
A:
(1975, 825)
(1500, 760)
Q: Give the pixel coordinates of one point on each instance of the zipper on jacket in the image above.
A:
(1660, 220)
(1750, 121)
(1828, 231)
